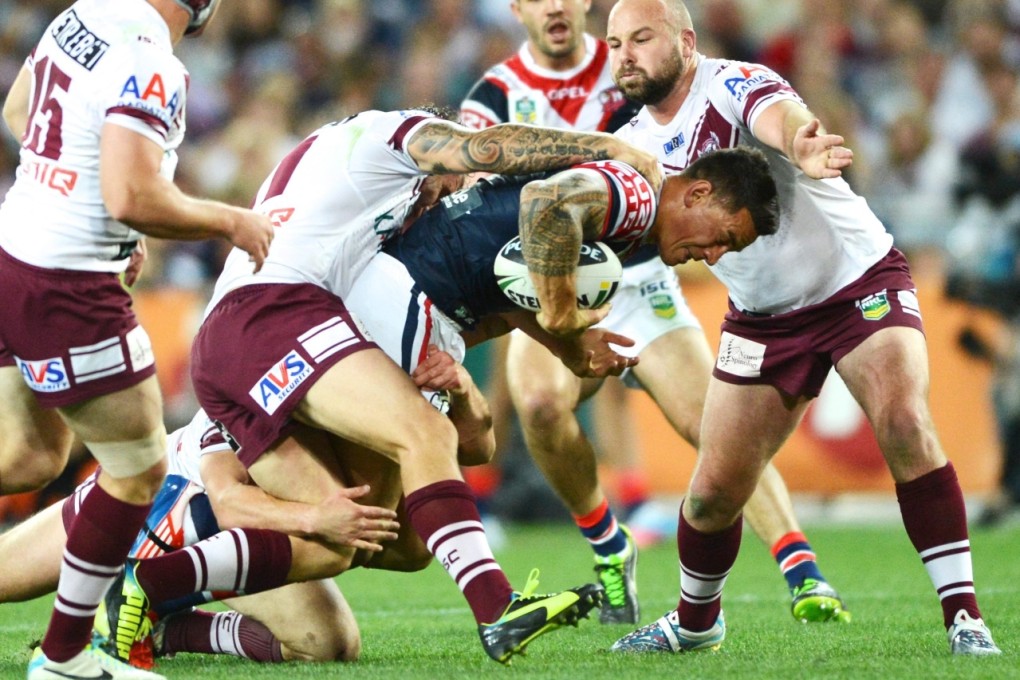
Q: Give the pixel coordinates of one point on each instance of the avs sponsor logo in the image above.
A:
(673, 144)
(78, 42)
(874, 307)
(749, 77)
(44, 375)
(278, 382)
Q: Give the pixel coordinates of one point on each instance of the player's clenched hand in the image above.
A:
(643, 162)
(439, 371)
(136, 263)
(342, 521)
(252, 232)
(820, 155)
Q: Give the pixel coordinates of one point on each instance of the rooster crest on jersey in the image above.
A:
(598, 275)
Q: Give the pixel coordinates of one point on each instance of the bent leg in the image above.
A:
(30, 556)
(888, 375)
(35, 443)
(312, 620)
(387, 414)
(545, 394)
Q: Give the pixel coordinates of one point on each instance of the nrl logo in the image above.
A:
(663, 306)
(874, 307)
(524, 111)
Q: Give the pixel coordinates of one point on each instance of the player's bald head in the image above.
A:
(672, 13)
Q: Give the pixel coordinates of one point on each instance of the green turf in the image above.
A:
(417, 625)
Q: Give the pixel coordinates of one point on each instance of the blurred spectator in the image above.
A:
(963, 105)
(910, 185)
(723, 26)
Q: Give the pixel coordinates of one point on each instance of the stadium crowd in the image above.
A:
(925, 91)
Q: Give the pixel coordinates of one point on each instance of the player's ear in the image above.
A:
(697, 191)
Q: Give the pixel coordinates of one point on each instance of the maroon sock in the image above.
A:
(706, 560)
(444, 515)
(97, 545)
(234, 562)
(935, 518)
(203, 632)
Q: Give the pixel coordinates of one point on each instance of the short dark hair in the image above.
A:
(740, 178)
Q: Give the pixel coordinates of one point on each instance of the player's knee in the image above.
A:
(29, 465)
(544, 410)
(32, 473)
(340, 641)
(431, 435)
(136, 468)
(900, 425)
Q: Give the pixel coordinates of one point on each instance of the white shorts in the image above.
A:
(399, 317)
(648, 304)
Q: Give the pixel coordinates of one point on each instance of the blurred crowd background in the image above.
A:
(925, 91)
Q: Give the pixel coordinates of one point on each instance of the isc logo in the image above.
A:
(44, 375)
(279, 381)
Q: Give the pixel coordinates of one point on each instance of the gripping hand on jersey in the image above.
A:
(252, 232)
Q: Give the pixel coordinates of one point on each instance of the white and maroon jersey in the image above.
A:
(827, 236)
(185, 446)
(99, 62)
(520, 91)
(334, 200)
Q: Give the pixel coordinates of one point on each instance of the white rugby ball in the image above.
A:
(598, 275)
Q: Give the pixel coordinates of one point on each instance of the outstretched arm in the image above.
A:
(557, 214)
(794, 130)
(445, 147)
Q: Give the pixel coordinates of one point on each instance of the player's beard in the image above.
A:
(650, 90)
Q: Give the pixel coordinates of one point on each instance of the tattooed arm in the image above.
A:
(557, 214)
(444, 147)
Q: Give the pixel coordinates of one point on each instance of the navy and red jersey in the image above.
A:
(450, 250)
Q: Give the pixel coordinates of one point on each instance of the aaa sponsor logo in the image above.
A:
(750, 76)
(44, 375)
(280, 381)
(874, 307)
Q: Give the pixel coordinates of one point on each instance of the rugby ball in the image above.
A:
(598, 275)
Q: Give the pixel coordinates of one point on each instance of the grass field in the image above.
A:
(417, 625)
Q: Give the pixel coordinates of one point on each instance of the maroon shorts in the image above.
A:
(795, 351)
(72, 334)
(260, 350)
